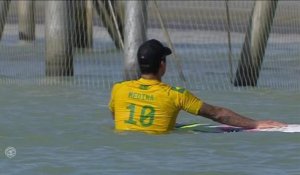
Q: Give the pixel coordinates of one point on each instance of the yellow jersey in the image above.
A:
(150, 105)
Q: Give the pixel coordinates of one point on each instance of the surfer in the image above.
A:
(149, 105)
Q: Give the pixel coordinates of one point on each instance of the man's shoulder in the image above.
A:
(178, 89)
(122, 82)
(125, 83)
(174, 89)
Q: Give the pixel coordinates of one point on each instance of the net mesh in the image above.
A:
(207, 45)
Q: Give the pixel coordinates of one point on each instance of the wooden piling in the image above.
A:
(104, 11)
(255, 43)
(80, 35)
(58, 30)
(89, 20)
(4, 7)
(135, 35)
(26, 20)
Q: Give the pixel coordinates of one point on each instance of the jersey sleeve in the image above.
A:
(188, 101)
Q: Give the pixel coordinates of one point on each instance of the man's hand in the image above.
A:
(263, 124)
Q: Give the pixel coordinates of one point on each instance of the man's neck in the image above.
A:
(151, 77)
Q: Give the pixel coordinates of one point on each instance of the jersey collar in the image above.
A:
(148, 81)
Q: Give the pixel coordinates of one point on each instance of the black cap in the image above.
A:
(150, 53)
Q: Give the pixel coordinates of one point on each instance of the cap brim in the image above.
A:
(167, 51)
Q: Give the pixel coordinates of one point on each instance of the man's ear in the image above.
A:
(162, 64)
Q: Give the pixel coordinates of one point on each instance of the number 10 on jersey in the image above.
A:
(146, 116)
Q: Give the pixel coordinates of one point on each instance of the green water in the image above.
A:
(61, 130)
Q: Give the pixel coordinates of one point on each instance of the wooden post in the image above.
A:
(103, 9)
(59, 56)
(255, 43)
(4, 7)
(80, 37)
(89, 20)
(26, 20)
(135, 35)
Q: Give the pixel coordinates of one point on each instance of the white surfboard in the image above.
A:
(197, 127)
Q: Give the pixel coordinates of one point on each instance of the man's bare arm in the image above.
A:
(228, 117)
